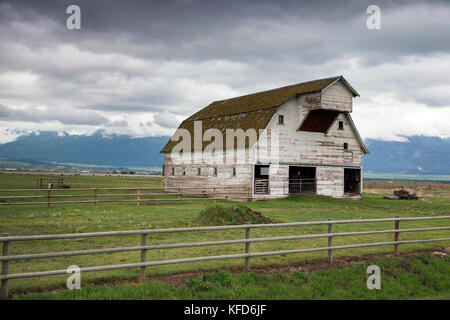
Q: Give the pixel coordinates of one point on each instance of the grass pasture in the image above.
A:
(28, 181)
(422, 189)
(422, 277)
(29, 220)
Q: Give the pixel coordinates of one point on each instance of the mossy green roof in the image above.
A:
(249, 111)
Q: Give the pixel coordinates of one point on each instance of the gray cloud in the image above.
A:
(156, 62)
(166, 119)
(41, 115)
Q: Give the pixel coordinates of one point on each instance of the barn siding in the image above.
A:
(330, 181)
(337, 97)
(311, 147)
(325, 151)
(225, 178)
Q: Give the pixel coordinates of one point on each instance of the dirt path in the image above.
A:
(304, 266)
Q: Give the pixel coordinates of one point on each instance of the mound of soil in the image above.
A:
(218, 215)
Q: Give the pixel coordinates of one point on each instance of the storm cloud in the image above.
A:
(141, 67)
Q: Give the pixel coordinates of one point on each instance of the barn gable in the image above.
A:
(321, 120)
(306, 143)
(254, 111)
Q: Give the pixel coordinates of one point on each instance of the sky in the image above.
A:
(140, 67)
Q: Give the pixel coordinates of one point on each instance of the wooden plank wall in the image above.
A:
(287, 146)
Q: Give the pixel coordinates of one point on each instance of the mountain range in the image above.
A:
(94, 149)
(416, 155)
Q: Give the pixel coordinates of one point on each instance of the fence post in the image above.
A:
(95, 197)
(214, 195)
(5, 268)
(397, 237)
(48, 198)
(247, 250)
(179, 195)
(330, 243)
(143, 255)
(138, 197)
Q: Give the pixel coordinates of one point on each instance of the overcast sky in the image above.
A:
(141, 67)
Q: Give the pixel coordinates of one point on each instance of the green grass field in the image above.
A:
(27, 220)
(422, 277)
(28, 181)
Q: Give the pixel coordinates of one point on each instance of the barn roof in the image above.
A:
(250, 111)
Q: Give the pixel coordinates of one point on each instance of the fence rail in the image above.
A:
(139, 195)
(300, 186)
(261, 186)
(7, 240)
(415, 186)
(44, 182)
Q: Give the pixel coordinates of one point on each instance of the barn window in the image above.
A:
(234, 171)
(280, 119)
(345, 145)
(341, 125)
(173, 171)
(199, 171)
(215, 172)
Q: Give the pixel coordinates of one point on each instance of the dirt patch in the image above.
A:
(221, 215)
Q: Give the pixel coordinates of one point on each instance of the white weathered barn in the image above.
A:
(306, 143)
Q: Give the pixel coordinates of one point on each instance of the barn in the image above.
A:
(296, 139)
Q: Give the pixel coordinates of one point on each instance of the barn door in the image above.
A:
(261, 179)
(352, 181)
(302, 180)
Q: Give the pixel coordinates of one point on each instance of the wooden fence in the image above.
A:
(131, 195)
(7, 240)
(44, 182)
(415, 186)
